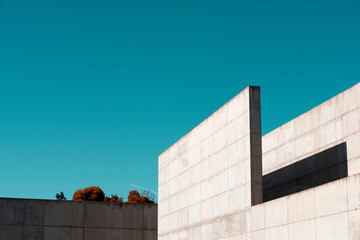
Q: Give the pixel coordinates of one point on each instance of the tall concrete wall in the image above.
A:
(209, 179)
(25, 219)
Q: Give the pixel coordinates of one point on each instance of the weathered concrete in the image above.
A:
(25, 219)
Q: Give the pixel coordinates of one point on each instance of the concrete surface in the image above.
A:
(25, 219)
(209, 181)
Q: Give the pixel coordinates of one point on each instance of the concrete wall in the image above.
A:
(205, 179)
(206, 182)
(25, 219)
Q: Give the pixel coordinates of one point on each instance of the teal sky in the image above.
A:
(91, 92)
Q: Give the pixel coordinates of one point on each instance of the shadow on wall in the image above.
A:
(321, 168)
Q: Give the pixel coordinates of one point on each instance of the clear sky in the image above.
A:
(91, 92)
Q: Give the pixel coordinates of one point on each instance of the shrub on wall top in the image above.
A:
(89, 194)
(114, 198)
(135, 197)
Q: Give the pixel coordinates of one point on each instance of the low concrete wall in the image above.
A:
(23, 219)
(330, 211)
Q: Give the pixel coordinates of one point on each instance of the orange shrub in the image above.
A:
(89, 194)
(114, 198)
(134, 197)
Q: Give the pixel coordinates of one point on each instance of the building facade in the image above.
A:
(223, 180)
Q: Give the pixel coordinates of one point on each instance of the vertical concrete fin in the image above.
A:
(255, 146)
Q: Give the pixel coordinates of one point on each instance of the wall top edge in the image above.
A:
(307, 112)
(71, 201)
(206, 119)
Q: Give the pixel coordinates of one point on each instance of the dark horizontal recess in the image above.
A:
(321, 168)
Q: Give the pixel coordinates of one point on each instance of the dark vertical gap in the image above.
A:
(255, 146)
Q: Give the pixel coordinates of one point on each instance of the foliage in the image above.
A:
(60, 196)
(150, 195)
(135, 197)
(113, 198)
(96, 194)
(89, 194)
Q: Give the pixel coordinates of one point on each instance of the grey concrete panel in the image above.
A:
(132, 234)
(33, 233)
(103, 233)
(132, 216)
(150, 216)
(149, 235)
(103, 214)
(63, 233)
(10, 232)
(64, 213)
(92, 233)
(12, 211)
(34, 210)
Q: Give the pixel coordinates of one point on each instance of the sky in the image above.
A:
(91, 92)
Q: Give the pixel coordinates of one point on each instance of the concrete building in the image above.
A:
(223, 180)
